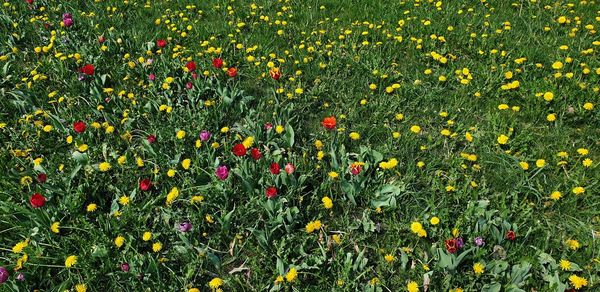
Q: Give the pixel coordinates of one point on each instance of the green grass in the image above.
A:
(333, 51)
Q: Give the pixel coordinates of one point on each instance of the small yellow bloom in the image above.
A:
(502, 139)
(412, 286)
(104, 166)
(81, 288)
(186, 163)
(157, 246)
(291, 275)
(577, 281)
(478, 268)
(91, 207)
(327, 203)
(147, 236)
(565, 265)
(540, 163)
(556, 195)
(279, 129)
(119, 241)
(180, 134)
(389, 258)
(215, 283)
(434, 220)
(70, 261)
(55, 227)
(333, 174)
(578, 190)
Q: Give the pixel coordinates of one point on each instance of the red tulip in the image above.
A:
(239, 149)
(37, 200)
(87, 69)
(79, 127)
(145, 184)
(191, 65)
(274, 168)
(511, 235)
(161, 43)
(101, 39)
(271, 192)
(255, 153)
(217, 63)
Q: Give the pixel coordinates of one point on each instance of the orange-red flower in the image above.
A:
(329, 122)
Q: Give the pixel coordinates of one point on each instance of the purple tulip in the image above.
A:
(3, 275)
(21, 277)
(460, 243)
(479, 241)
(67, 15)
(204, 135)
(222, 172)
(185, 226)
(125, 267)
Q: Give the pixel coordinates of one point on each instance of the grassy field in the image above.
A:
(299, 145)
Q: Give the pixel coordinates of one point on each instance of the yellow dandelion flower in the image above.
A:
(291, 275)
(70, 261)
(55, 227)
(119, 241)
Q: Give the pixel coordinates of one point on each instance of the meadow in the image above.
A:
(317, 145)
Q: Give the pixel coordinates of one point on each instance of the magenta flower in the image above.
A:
(222, 172)
(204, 135)
(185, 226)
(3, 275)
